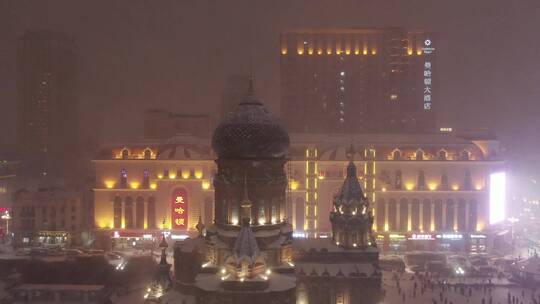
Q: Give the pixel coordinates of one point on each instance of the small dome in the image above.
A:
(250, 132)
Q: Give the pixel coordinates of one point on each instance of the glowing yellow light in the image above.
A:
(300, 52)
(109, 184)
(283, 52)
(409, 52)
(153, 186)
(364, 52)
(111, 225)
(160, 176)
(419, 52)
(310, 52)
(373, 52)
(134, 185)
(409, 186)
(455, 187)
(205, 185)
(383, 189)
(432, 186)
(319, 52)
(478, 187)
(356, 52)
(198, 174)
(329, 52)
(479, 226)
(172, 174)
(293, 185)
(338, 51)
(385, 226)
(348, 52)
(185, 174)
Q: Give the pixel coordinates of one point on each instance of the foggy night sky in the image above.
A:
(176, 55)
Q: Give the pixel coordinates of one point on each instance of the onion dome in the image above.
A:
(250, 132)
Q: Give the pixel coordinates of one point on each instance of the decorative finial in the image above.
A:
(351, 152)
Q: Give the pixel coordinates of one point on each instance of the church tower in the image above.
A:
(351, 216)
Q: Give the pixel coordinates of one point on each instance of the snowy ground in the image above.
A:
(450, 295)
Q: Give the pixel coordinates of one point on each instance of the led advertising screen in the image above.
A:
(497, 197)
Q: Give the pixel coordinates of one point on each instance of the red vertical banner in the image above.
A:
(179, 209)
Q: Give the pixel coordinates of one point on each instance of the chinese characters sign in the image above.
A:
(428, 51)
(179, 209)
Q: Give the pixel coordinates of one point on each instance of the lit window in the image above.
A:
(342, 73)
(393, 97)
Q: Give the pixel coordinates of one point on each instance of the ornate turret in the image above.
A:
(246, 261)
(351, 218)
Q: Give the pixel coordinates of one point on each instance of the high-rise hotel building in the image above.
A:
(358, 80)
(47, 101)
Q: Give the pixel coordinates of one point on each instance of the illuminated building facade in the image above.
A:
(358, 80)
(47, 103)
(426, 185)
(439, 187)
(52, 216)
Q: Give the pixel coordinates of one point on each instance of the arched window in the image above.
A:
(442, 155)
(117, 210)
(123, 178)
(147, 153)
(398, 183)
(396, 155)
(444, 181)
(128, 209)
(419, 155)
(421, 185)
(151, 213)
(139, 223)
(465, 155)
(125, 153)
(146, 179)
(467, 181)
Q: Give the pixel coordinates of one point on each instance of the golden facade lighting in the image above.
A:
(172, 174)
(109, 184)
(160, 176)
(432, 186)
(419, 52)
(455, 187)
(185, 174)
(153, 186)
(198, 174)
(293, 184)
(205, 185)
(134, 185)
(409, 186)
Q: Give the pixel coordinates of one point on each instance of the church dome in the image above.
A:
(250, 132)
